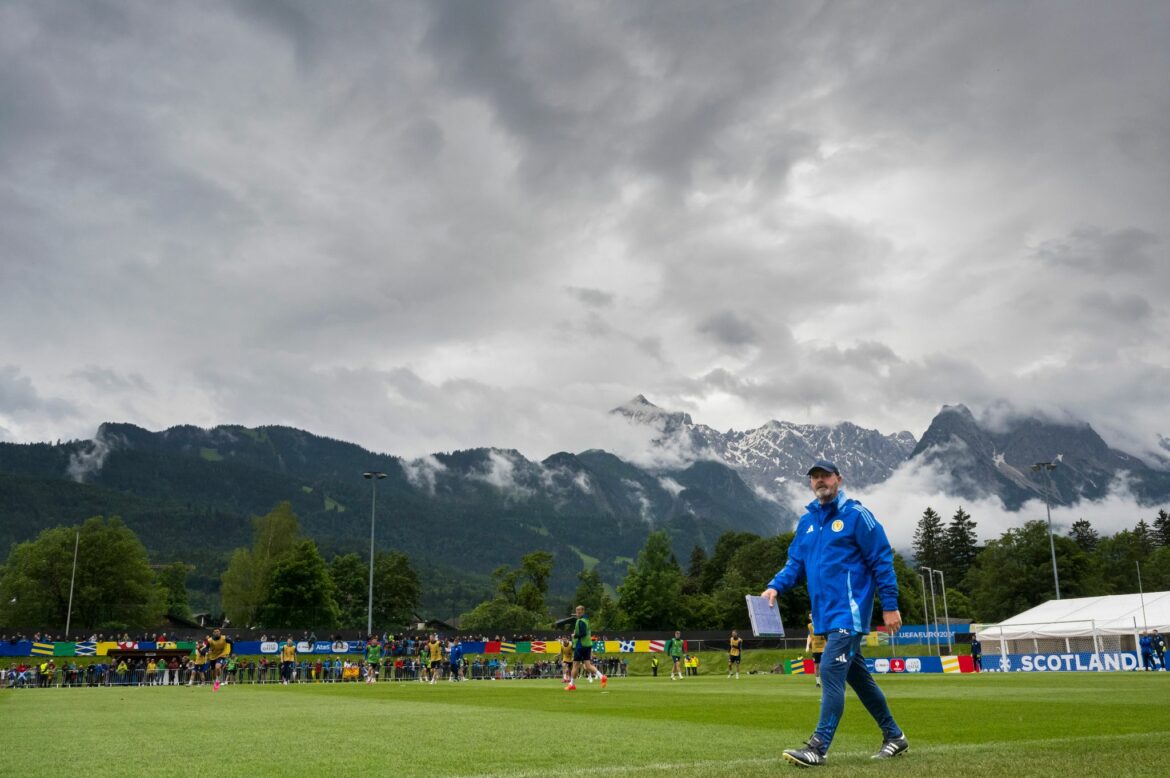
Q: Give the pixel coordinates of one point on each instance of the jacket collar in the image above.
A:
(816, 507)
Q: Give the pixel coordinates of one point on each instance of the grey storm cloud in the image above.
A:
(729, 329)
(431, 225)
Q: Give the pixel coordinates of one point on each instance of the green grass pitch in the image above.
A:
(1060, 724)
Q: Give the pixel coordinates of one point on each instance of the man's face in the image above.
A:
(825, 485)
(580, 611)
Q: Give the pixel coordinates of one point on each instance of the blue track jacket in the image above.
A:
(843, 553)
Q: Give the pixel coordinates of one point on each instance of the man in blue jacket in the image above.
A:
(843, 554)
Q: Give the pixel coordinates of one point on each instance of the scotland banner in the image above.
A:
(1111, 661)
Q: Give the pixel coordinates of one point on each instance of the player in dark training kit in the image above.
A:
(734, 653)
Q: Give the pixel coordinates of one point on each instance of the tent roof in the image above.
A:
(1114, 614)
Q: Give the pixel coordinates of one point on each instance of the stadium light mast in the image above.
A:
(1141, 595)
(934, 605)
(73, 577)
(1048, 467)
(373, 477)
(942, 582)
(925, 611)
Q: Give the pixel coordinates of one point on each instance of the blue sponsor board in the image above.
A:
(908, 664)
(1110, 661)
(16, 648)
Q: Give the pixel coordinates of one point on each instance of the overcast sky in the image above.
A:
(438, 225)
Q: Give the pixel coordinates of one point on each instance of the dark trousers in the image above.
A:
(842, 663)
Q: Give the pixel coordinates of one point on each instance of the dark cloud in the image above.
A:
(20, 399)
(105, 380)
(729, 329)
(1093, 250)
(594, 298)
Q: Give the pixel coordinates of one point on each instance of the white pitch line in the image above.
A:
(719, 763)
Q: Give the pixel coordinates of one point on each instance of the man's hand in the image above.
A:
(770, 595)
(893, 620)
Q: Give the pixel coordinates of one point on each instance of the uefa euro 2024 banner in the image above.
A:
(923, 633)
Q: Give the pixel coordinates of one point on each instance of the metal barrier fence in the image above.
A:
(98, 675)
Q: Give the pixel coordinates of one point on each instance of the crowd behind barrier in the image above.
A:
(247, 670)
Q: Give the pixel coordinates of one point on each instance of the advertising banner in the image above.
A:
(924, 633)
(1112, 661)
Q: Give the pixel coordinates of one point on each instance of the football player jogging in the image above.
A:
(435, 647)
(373, 660)
(674, 647)
(288, 659)
(566, 660)
(842, 553)
(583, 651)
(455, 659)
(218, 650)
(734, 653)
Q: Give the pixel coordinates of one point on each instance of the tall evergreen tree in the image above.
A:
(930, 541)
(590, 591)
(694, 580)
(1162, 528)
(396, 590)
(300, 592)
(651, 594)
(1084, 535)
(725, 547)
(173, 580)
(961, 545)
(1145, 537)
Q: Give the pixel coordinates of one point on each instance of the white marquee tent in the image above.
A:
(1109, 623)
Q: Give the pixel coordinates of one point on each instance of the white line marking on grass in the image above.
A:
(935, 748)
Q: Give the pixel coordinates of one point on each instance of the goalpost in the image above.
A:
(1075, 636)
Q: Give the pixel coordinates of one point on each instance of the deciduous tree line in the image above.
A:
(1014, 572)
(283, 581)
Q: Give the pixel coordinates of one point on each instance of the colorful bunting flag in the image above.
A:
(538, 647)
(42, 649)
(88, 648)
(507, 648)
(627, 646)
(599, 646)
(524, 647)
(64, 649)
(657, 646)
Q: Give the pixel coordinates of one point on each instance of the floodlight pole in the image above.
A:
(72, 578)
(925, 612)
(942, 582)
(1048, 467)
(373, 477)
(1142, 596)
(934, 606)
